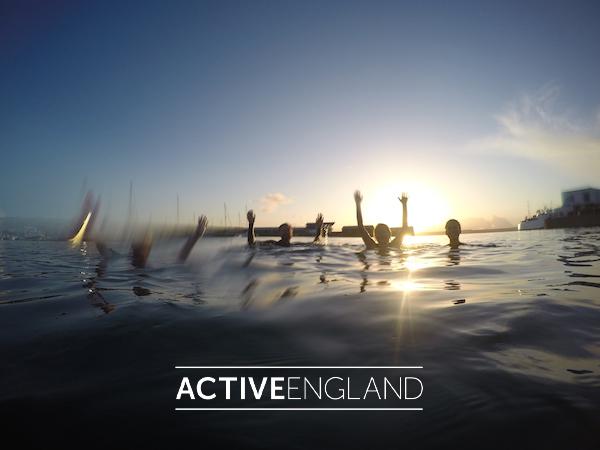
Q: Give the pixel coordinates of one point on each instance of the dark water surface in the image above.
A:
(508, 337)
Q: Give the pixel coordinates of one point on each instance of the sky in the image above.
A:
(476, 109)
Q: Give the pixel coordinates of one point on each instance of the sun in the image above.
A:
(427, 207)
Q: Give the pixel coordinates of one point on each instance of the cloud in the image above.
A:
(271, 202)
(536, 127)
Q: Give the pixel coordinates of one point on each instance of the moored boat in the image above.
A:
(580, 208)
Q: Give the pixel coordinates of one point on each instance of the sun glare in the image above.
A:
(427, 208)
(407, 286)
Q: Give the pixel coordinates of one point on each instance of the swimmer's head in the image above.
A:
(285, 232)
(382, 233)
(453, 229)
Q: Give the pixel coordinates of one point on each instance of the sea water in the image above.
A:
(507, 330)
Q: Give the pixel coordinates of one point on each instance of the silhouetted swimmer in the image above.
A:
(453, 231)
(383, 233)
(286, 231)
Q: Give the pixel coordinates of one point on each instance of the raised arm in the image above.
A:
(319, 228)
(404, 201)
(397, 242)
(366, 237)
(140, 249)
(251, 218)
(191, 241)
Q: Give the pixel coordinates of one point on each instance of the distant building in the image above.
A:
(312, 226)
(580, 198)
(266, 231)
(407, 231)
(353, 230)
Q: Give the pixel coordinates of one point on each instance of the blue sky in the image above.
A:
(474, 108)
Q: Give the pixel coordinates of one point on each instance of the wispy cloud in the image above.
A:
(271, 202)
(536, 127)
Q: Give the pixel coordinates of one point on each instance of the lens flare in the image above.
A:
(75, 240)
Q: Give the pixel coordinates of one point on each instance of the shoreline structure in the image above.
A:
(36, 231)
(298, 232)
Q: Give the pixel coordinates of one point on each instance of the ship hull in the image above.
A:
(574, 221)
(533, 224)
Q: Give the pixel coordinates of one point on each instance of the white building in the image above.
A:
(580, 198)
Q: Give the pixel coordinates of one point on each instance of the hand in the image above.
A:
(251, 217)
(358, 197)
(202, 224)
(404, 198)
(319, 221)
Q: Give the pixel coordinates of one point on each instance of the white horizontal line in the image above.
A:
(298, 367)
(298, 409)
